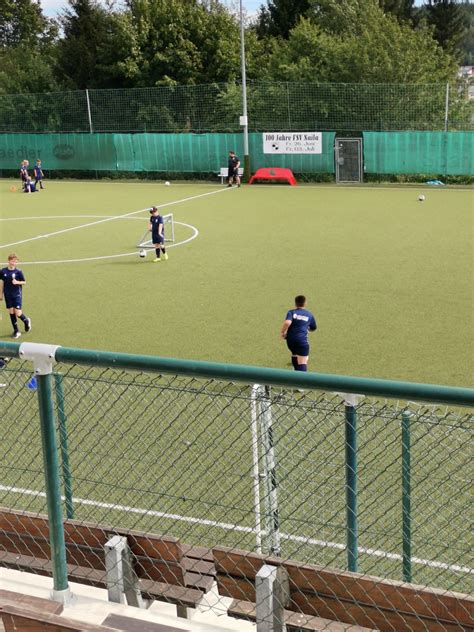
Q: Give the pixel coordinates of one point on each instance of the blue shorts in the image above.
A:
(158, 239)
(298, 347)
(12, 301)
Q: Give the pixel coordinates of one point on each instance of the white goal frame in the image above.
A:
(145, 241)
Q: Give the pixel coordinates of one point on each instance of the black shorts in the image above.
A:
(233, 172)
(158, 239)
(298, 347)
(12, 301)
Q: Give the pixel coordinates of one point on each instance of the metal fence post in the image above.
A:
(43, 357)
(351, 481)
(406, 496)
(270, 476)
(66, 468)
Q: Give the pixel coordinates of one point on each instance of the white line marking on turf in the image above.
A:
(122, 254)
(111, 219)
(233, 527)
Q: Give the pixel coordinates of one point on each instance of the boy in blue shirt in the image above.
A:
(12, 281)
(38, 175)
(24, 171)
(29, 186)
(157, 227)
(295, 329)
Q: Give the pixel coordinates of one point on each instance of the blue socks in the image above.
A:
(294, 362)
(302, 367)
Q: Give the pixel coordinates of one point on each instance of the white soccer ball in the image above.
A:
(167, 183)
(142, 253)
(421, 198)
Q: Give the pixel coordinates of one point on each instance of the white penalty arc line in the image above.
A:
(194, 230)
(111, 219)
(455, 568)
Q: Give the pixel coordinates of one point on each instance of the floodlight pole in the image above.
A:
(244, 117)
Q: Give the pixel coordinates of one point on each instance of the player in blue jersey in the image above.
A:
(24, 172)
(12, 281)
(295, 329)
(38, 175)
(157, 227)
(29, 186)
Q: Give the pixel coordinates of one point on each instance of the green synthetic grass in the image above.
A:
(388, 278)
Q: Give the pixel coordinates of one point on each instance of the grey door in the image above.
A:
(348, 154)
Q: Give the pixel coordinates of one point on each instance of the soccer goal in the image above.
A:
(145, 241)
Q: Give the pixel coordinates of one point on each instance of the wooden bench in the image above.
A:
(224, 172)
(166, 569)
(21, 619)
(353, 599)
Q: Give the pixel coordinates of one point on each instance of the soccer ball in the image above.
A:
(167, 184)
(142, 253)
(421, 198)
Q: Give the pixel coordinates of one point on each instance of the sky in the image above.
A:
(52, 7)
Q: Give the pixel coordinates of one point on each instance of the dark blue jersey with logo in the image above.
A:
(38, 172)
(155, 221)
(7, 276)
(24, 173)
(302, 321)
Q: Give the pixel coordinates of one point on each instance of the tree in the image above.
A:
(280, 16)
(26, 47)
(22, 22)
(353, 41)
(449, 23)
(401, 9)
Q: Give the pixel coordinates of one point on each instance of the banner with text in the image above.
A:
(292, 143)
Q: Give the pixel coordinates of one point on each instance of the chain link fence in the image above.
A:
(378, 485)
(272, 106)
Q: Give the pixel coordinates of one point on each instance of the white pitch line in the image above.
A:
(234, 527)
(111, 219)
(122, 254)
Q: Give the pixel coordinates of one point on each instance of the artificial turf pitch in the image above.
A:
(388, 278)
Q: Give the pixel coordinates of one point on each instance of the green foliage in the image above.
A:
(280, 16)
(26, 48)
(354, 41)
(448, 21)
(401, 9)
(88, 46)
(23, 23)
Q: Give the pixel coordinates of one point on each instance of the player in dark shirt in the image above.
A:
(29, 186)
(233, 169)
(24, 171)
(295, 329)
(12, 281)
(38, 175)
(157, 227)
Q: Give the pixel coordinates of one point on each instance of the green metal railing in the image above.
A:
(166, 445)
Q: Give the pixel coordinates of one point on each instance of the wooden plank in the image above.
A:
(201, 566)
(95, 536)
(294, 620)
(343, 585)
(21, 619)
(370, 616)
(8, 597)
(198, 552)
(161, 591)
(201, 582)
(127, 624)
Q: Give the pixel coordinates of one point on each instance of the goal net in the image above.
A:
(145, 241)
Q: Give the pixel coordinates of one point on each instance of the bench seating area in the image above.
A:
(224, 171)
(166, 569)
(317, 593)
